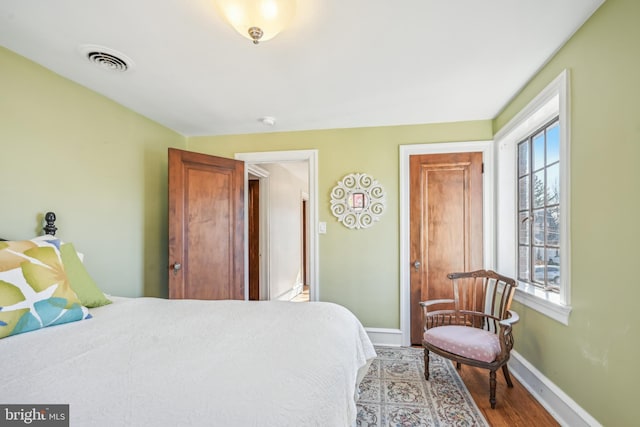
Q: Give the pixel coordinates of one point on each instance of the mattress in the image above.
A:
(157, 362)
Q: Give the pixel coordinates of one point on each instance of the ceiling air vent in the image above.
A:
(108, 61)
(106, 58)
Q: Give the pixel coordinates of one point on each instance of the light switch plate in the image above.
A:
(322, 228)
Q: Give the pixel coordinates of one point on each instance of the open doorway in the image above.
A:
(303, 294)
(282, 255)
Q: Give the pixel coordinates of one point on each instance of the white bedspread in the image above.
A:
(155, 362)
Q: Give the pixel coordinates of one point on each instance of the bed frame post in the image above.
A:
(50, 228)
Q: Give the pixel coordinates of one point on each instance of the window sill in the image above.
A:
(547, 303)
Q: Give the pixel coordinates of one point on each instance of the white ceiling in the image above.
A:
(342, 63)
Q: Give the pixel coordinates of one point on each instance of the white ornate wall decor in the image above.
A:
(357, 201)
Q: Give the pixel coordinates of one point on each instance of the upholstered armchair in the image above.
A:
(474, 327)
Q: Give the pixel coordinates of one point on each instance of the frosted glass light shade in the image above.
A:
(269, 16)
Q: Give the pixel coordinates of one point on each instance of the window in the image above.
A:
(532, 208)
(539, 208)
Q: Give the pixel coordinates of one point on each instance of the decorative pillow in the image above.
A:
(34, 288)
(82, 284)
(48, 237)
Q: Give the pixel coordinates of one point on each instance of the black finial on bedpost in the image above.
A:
(50, 228)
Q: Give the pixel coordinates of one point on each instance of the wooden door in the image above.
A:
(445, 225)
(206, 226)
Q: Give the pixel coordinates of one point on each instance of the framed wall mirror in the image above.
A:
(358, 201)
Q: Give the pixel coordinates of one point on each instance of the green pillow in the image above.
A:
(81, 283)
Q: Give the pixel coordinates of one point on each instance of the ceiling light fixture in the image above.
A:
(257, 20)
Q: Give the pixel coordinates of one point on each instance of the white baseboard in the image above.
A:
(297, 288)
(564, 409)
(386, 337)
(289, 294)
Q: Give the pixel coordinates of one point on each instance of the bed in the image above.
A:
(158, 362)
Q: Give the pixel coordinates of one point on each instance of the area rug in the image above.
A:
(395, 393)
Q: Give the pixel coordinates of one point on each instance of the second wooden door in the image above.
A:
(445, 225)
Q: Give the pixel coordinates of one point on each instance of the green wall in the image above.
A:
(594, 358)
(359, 269)
(101, 167)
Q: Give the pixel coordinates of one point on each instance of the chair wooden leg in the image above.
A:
(426, 364)
(492, 389)
(507, 377)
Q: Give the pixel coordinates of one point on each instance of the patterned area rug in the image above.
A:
(395, 393)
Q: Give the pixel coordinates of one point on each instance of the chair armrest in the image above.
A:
(505, 335)
(511, 320)
(435, 301)
(437, 317)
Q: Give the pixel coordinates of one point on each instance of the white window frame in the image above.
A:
(552, 101)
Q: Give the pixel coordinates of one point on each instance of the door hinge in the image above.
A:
(482, 168)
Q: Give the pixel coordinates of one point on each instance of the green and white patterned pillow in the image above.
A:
(34, 287)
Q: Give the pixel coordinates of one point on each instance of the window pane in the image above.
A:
(553, 257)
(553, 226)
(538, 273)
(538, 227)
(524, 226)
(523, 158)
(553, 276)
(553, 184)
(553, 143)
(538, 151)
(538, 189)
(523, 263)
(523, 193)
(552, 270)
(538, 262)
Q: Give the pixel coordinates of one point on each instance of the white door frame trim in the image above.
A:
(311, 157)
(487, 150)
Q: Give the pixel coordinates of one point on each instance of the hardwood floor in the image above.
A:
(514, 406)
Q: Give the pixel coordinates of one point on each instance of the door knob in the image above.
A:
(176, 267)
(417, 265)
